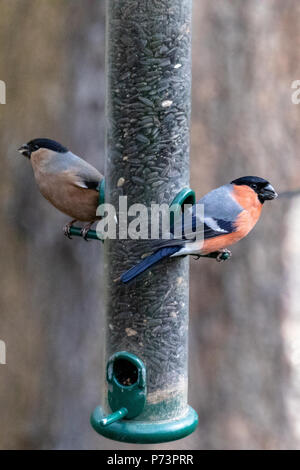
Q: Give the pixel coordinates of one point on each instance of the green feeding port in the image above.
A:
(126, 377)
(127, 395)
(185, 197)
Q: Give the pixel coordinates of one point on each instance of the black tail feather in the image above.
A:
(148, 262)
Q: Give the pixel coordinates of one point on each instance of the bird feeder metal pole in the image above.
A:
(148, 118)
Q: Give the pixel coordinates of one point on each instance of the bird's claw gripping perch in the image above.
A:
(84, 233)
(223, 255)
(67, 229)
(219, 256)
(85, 230)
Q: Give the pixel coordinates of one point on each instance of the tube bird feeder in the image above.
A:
(148, 117)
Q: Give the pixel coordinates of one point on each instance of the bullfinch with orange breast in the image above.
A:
(230, 213)
(64, 179)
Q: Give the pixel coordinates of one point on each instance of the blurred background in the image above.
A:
(245, 314)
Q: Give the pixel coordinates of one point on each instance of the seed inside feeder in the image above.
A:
(167, 103)
(120, 182)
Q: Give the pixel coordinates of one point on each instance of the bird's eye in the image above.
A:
(36, 147)
(254, 186)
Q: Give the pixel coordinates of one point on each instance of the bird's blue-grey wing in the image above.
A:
(220, 212)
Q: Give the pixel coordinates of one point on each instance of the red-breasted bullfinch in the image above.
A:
(230, 212)
(68, 182)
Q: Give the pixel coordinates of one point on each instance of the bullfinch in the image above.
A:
(230, 213)
(68, 182)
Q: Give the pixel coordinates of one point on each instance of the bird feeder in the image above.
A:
(144, 398)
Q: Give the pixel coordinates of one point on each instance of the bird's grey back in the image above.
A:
(219, 204)
(71, 162)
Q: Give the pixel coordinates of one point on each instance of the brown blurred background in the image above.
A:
(245, 327)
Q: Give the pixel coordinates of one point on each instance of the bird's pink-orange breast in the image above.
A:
(245, 221)
(248, 199)
(61, 191)
(219, 243)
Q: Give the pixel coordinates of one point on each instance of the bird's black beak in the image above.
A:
(25, 151)
(268, 193)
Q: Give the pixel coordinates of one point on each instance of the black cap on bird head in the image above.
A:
(27, 149)
(262, 187)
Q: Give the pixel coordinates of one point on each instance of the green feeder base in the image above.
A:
(146, 432)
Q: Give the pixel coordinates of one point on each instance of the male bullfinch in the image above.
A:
(230, 212)
(68, 182)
